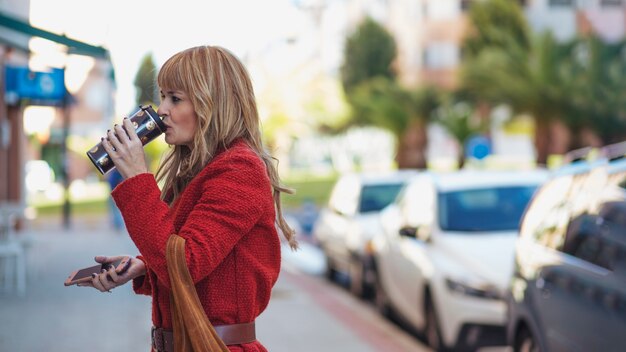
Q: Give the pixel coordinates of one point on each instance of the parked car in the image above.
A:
(568, 291)
(344, 227)
(444, 258)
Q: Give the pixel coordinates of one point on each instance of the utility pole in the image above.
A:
(65, 161)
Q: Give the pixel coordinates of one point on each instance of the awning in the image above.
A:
(13, 31)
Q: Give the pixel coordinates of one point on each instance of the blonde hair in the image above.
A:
(221, 92)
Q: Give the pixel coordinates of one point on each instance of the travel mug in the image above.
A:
(148, 125)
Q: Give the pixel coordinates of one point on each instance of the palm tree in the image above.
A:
(461, 121)
(531, 82)
(405, 113)
(597, 112)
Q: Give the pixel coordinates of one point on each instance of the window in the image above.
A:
(547, 216)
(376, 197)
(465, 5)
(490, 209)
(441, 55)
(611, 3)
(564, 3)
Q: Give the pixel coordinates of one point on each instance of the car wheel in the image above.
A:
(330, 272)
(525, 342)
(356, 279)
(381, 299)
(432, 333)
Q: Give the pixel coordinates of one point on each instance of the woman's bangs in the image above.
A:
(170, 75)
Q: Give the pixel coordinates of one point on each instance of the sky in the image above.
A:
(130, 29)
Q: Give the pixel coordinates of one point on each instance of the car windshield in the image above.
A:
(489, 209)
(376, 197)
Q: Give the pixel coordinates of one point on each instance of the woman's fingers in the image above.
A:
(112, 275)
(85, 284)
(130, 129)
(97, 283)
(115, 140)
(103, 278)
(121, 134)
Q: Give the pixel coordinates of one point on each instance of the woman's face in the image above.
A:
(179, 116)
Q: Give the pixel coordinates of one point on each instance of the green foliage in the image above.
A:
(496, 54)
(145, 82)
(496, 24)
(311, 188)
(460, 120)
(597, 88)
(384, 103)
(369, 52)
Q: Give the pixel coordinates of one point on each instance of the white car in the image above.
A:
(444, 257)
(345, 227)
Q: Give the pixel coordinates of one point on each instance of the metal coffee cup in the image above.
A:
(148, 125)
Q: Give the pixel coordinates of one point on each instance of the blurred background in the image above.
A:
(343, 86)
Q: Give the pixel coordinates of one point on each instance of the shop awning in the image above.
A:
(14, 30)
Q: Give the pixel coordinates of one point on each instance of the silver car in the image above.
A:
(345, 227)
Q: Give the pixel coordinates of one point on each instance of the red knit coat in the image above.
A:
(226, 214)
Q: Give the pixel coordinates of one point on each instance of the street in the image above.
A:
(306, 313)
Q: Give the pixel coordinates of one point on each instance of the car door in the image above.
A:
(571, 297)
(585, 285)
(338, 219)
(538, 260)
(409, 261)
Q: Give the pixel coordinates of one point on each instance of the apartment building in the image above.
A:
(429, 33)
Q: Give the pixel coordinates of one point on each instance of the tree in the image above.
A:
(147, 94)
(461, 121)
(496, 24)
(377, 99)
(145, 82)
(596, 104)
(505, 65)
(369, 52)
(405, 113)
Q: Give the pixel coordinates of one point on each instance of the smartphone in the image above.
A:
(84, 275)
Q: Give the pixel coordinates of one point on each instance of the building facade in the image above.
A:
(28, 127)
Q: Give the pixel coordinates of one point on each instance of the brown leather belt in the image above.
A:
(234, 334)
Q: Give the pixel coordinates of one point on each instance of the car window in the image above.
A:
(376, 197)
(489, 209)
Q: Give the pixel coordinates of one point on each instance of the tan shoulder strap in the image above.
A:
(192, 329)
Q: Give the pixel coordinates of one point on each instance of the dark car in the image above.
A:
(568, 291)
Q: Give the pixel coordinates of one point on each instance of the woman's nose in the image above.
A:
(161, 111)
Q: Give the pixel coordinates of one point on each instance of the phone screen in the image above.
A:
(86, 272)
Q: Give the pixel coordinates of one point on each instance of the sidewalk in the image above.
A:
(301, 316)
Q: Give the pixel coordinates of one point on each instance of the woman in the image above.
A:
(221, 192)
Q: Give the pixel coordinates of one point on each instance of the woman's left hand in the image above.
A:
(126, 150)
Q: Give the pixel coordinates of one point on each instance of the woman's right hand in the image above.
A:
(109, 279)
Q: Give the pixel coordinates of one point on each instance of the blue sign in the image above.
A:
(478, 147)
(39, 88)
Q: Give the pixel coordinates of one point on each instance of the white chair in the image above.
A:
(12, 256)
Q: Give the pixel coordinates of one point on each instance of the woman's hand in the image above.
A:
(125, 150)
(109, 279)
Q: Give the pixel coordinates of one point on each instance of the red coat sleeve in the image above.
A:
(143, 285)
(233, 191)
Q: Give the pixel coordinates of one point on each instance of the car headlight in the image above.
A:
(486, 291)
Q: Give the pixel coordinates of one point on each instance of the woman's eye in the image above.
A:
(162, 97)
(175, 99)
